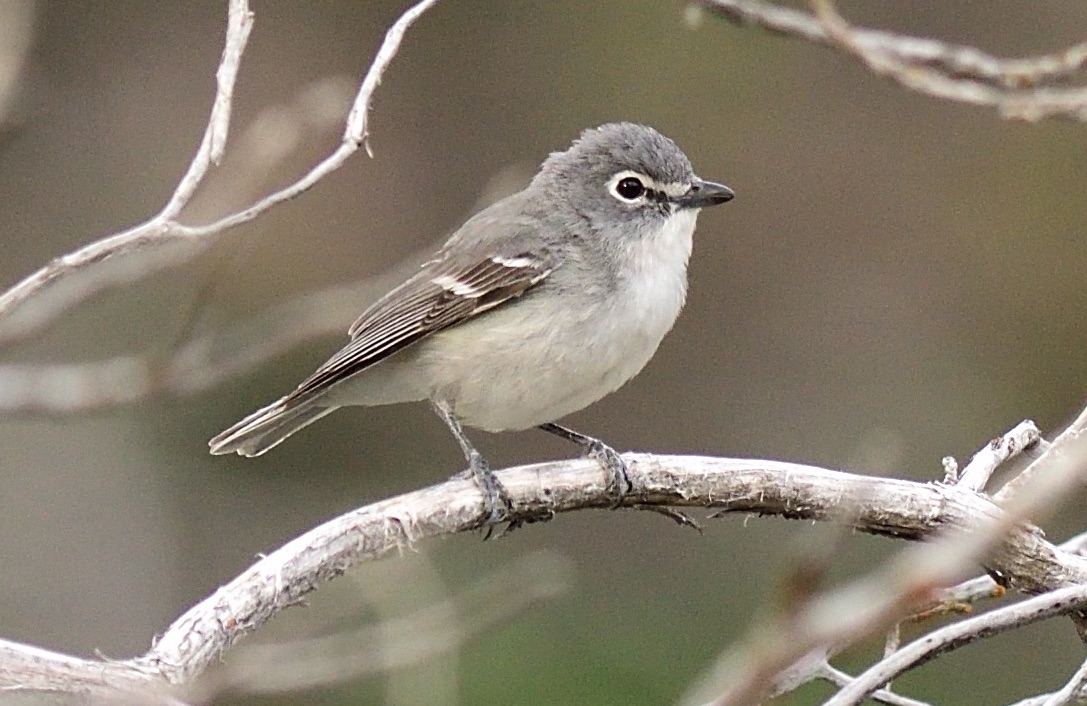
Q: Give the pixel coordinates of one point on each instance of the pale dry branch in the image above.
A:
(1018, 88)
(910, 580)
(1031, 104)
(37, 299)
(883, 696)
(985, 462)
(25, 669)
(979, 588)
(952, 59)
(355, 133)
(1041, 472)
(896, 508)
(1039, 700)
(163, 241)
(816, 666)
(212, 147)
(924, 649)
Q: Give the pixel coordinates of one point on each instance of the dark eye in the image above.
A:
(630, 188)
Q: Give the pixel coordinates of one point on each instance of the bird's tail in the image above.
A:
(267, 427)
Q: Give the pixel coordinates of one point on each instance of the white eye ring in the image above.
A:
(629, 187)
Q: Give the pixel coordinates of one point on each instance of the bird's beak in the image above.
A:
(705, 193)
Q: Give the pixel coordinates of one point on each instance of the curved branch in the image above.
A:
(954, 60)
(896, 508)
(1022, 89)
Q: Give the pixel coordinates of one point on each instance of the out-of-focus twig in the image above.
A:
(163, 241)
(959, 597)
(964, 632)
(17, 19)
(25, 307)
(1022, 89)
(199, 364)
(998, 451)
(1030, 104)
(413, 639)
(910, 580)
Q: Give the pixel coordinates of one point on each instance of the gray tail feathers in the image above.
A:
(267, 427)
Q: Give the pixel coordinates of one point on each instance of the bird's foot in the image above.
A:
(497, 504)
(619, 482)
(618, 479)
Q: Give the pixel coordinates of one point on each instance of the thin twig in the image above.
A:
(952, 60)
(883, 696)
(212, 147)
(355, 133)
(905, 583)
(1044, 463)
(38, 299)
(1030, 105)
(998, 451)
(1015, 87)
(21, 316)
(1049, 605)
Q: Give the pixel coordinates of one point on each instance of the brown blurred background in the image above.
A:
(898, 279)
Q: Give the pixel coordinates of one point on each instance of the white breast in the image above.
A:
(534, 364)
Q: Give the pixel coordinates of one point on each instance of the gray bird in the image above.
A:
(538, 306)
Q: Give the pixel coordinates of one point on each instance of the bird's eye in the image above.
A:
(630, 188)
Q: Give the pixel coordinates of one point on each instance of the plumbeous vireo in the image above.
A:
(536, 307)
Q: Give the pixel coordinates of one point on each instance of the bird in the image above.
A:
(536, 307)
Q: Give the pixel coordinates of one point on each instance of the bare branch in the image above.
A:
(891, 507)
(958, 597)
(815, 665)
(354, 135)
(883, 696)
(952, 59)
(1030, 105)
(908, 581)
(239, 25)
(1058, 602)
(894, 507)
(988, 459)
(26, 669)
(1054, 454)
(958, 73)
(162, 241)
(19, 319)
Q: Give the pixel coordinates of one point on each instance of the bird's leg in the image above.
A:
(619, 483)
(496, 499)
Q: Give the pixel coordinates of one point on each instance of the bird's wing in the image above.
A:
(443, 294)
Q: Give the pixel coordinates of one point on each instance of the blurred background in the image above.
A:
(898, 279)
